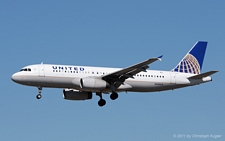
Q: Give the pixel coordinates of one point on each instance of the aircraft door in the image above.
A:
(173, 78)
(41, 70)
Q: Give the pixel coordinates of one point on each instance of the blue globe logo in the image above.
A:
(189, 65)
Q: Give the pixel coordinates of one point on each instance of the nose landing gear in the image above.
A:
(39, 92)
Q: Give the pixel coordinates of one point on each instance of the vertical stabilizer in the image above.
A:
(193, 60)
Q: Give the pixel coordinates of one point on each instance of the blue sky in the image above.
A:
(110, 34)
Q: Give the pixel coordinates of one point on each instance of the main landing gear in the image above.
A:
(102, 101)
(114, 96)
(39, 92)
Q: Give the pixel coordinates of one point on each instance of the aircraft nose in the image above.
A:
(16, 78)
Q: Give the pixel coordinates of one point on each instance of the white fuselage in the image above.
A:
(66, 76)
(80, 82)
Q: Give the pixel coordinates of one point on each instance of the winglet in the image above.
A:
(200, 76)
(160, 58)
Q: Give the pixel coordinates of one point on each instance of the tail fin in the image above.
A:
(193, 60)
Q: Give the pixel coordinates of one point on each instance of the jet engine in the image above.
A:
(71, 94)
(91, 83)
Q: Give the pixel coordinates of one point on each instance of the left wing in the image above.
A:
(117, 78)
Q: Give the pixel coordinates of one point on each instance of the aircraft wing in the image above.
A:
(117, 78)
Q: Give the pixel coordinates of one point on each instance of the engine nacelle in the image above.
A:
(91, 83)
(71, 94)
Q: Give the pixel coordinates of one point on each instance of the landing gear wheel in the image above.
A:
(39, 92)
(101, 102)
(114, 96)
(38, 96)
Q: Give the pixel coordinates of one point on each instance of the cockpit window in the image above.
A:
(26, 69)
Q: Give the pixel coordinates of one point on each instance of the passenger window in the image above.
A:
(29, 69)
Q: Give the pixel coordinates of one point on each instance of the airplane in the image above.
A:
(80, 82)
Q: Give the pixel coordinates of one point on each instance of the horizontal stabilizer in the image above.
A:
(200, 76)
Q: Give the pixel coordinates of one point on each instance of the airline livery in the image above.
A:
(80, 82)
